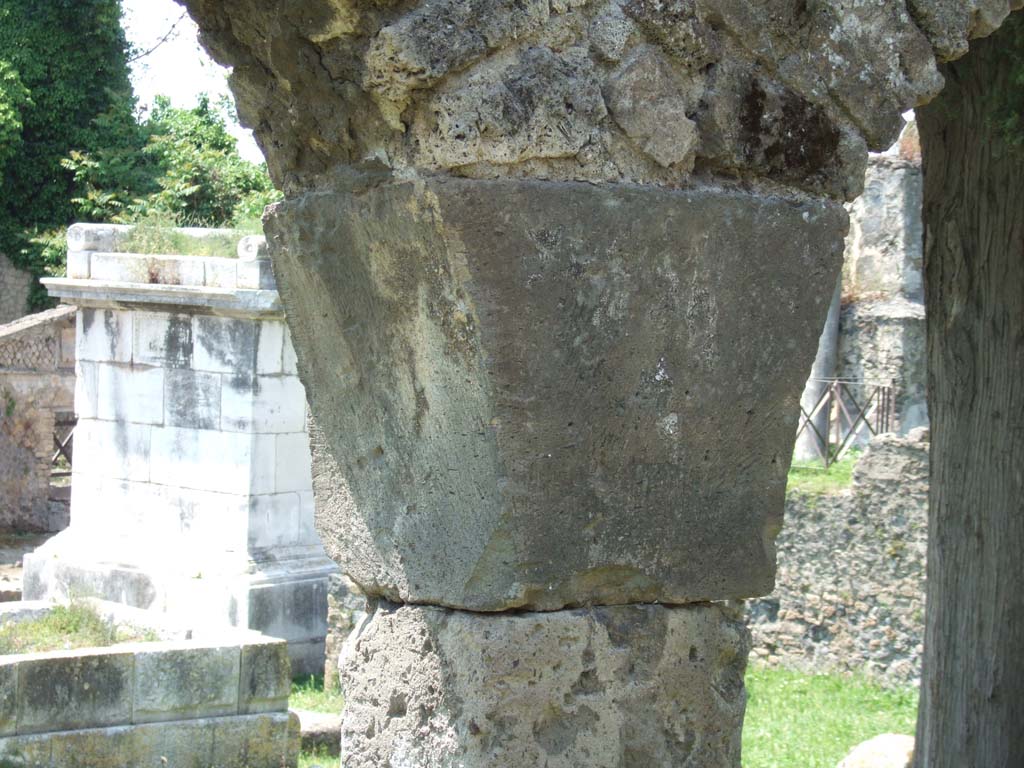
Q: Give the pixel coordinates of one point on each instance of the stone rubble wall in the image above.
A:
(15, 286)
(36, 382)
(849, 594)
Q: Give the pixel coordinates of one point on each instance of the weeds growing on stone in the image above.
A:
(65, 627)
(159, 234)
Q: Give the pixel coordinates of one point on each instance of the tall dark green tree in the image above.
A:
(64, 85)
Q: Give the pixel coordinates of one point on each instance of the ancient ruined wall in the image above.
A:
(36, 381)
(850, 588)
(192, 489)
(15, 285)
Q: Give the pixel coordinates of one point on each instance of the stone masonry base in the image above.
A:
(624, 686)
(243, 741)
(285, 598)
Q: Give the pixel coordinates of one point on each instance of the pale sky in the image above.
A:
(179, 69)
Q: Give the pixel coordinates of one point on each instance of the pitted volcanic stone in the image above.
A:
(619, 687)
(778, 89)
(546, 394)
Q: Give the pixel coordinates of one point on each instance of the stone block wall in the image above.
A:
(36, 382)
(850, 588)
(178, 416)
(192, 489)
(215, 699)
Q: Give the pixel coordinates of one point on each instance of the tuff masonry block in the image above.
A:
(587, 393)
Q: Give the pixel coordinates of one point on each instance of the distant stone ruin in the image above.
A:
(882, 332)
(37, 385)
(191, 491)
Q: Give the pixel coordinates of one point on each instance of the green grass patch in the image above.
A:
(317, 758)
(796, 720)
(812, 478)
(308, 693)
(66, 627)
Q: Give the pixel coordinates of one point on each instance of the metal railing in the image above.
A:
(847, 417)
(63, 442)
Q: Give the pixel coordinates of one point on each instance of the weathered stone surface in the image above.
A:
(346, 606)
(883, 258)
(187, 682)
(867, 60)
(597, 688)
(587, 395)
(651, 107)
(951, 24)
(269, 740)
(890, 750)
(59, 691)
(8, 697)
(492, 88)
(321, 731)
(265, 680)
(248, 741)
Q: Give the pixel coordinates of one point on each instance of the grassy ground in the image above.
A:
(317, 759)
(65, 627)
(308, 693)
(812, 478)
(795, 720)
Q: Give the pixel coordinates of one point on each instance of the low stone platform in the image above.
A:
(217, 697)
(244, 741)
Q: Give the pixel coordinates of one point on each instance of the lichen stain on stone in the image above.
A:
(178, 343)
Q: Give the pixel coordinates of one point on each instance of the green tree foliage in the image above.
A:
(73, 149)
(63, 85)
(203, 181)
(14, 98)
(186, 171)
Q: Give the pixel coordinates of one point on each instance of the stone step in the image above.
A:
(320, 730)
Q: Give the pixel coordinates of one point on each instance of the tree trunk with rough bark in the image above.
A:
(972, 707)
